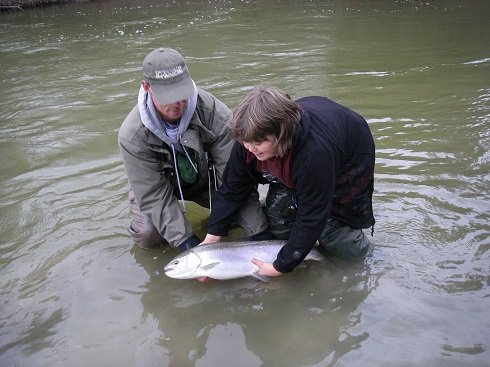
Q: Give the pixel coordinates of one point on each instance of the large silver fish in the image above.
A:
(227, 260)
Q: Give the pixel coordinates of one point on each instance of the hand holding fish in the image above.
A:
(266, 268)
(211, 238)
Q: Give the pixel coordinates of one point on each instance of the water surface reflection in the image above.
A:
(249, 316)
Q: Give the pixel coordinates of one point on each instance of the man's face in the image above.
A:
(171, 112)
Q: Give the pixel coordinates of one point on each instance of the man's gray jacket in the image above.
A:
(149, 162)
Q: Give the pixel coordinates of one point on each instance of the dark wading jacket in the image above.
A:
(332, 169)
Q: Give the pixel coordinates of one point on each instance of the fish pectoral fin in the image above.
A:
(262, 278)
(209, 266)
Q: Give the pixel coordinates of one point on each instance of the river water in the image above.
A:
(75, 292)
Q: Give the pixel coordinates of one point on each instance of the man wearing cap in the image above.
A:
(175, 145)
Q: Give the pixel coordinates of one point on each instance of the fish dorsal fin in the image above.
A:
(209, 266)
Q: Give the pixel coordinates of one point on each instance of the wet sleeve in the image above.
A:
(315, 185)
(154, 192)
(235, 190)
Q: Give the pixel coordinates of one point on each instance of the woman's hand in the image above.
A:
(266, 268)
(211, 238)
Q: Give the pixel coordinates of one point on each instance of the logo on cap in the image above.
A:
(172, 73)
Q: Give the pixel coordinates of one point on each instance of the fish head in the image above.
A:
(183, 266)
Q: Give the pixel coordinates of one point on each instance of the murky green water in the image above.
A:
(73, 290)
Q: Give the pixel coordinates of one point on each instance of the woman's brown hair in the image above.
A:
(266, 112)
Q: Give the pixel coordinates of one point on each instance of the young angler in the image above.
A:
(317, 157)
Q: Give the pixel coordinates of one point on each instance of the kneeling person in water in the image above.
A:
(317, 157)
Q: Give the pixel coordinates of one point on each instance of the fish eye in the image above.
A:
(176, 262)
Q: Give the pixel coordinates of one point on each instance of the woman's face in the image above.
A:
(262, 150)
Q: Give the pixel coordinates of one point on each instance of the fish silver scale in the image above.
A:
(226, 260)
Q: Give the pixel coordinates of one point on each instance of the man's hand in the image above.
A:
(266, 268)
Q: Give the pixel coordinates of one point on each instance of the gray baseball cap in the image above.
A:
(166, 72)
